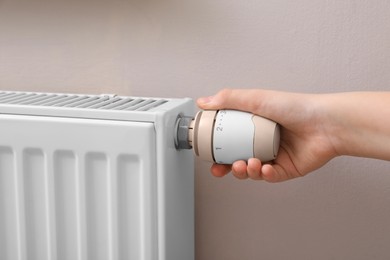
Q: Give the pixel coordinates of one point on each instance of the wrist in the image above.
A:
(329, 126)
(357, 123)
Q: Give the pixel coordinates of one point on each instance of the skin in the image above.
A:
(315, 129)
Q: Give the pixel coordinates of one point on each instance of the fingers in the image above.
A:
(253, 170)
(276, 173)
(240, 169)
(220, 170)
(271, 174)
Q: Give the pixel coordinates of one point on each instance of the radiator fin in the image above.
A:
(129, 194)
(66, 205)
(35, 195)
(8, 232)
(102, 102)
(96, 206)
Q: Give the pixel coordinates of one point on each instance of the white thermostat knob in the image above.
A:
(225, 136)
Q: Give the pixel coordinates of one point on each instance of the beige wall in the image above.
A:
(182, 48)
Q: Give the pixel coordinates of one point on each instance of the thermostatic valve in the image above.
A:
(225, 136)
(233, 136)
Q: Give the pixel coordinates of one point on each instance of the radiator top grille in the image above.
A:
(95, 102)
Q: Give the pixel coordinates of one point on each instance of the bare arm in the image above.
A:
(315, 128)
(360, 122)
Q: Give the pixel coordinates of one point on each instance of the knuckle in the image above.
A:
(224, 93)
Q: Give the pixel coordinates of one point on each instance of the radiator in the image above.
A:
(94, 177)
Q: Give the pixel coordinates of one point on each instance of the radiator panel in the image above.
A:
(78, 195)
(94, 177)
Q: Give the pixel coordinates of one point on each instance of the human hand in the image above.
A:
(307, 141)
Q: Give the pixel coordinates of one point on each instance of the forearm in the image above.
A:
(359, 123)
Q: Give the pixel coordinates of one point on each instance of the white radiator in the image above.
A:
(94, 177)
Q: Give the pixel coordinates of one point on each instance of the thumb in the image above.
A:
(251, 100)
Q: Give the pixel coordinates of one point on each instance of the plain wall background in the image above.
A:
(172, 48)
